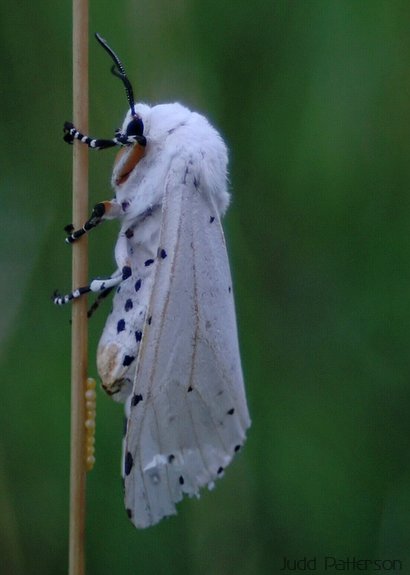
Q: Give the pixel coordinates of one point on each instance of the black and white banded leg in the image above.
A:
(97, 285)
(120, 139)
(71, 133)
(102, 211)
(97, 302)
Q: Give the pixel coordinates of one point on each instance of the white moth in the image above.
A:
(169, 348)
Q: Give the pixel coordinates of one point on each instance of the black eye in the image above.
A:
(135, 127)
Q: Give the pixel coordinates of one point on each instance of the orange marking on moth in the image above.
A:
(133, 157)
(107, 206)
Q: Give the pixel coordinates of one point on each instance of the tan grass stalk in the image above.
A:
(79, 355)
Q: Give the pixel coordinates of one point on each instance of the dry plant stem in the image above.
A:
(79, 343)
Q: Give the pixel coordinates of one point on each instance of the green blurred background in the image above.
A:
(313, 99)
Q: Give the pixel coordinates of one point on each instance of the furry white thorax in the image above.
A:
(172, 130)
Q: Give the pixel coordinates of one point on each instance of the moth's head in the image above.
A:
(135, 123)
(131, 136)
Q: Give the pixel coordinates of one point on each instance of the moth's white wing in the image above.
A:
(188, 411)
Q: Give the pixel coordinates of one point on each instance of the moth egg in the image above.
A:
(90, 394)
(90, 423)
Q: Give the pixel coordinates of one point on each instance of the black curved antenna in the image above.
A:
(119, 71)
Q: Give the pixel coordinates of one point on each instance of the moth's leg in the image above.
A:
(71, 133)
(107, 210)
(122, 273)
(120, 139)
(96, 304)
(97, 285)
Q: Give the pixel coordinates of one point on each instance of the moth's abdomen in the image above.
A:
(119, 345)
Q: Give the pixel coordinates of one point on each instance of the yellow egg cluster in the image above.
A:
(90, 413)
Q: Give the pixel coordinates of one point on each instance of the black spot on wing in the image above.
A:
(128, 305)
(162, 253)
(120, 325)
(181, 480)
(128, 463)
(129, 233)
(138, 285)
(128, 359)
(126, 272)
(136, 399)
(231, 411)
(171, 458)
(237, 448)
(129, 513)
(138, 335)
(211, 220)
(148, 262)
